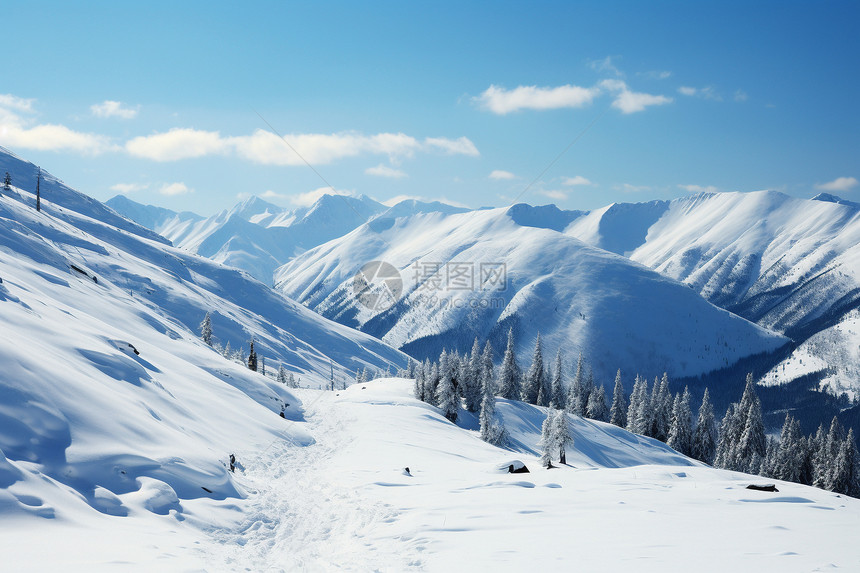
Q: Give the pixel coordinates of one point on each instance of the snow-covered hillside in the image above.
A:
(110, 404)
(255, 236)
(789, 264)
(335, 495)
(619, 314)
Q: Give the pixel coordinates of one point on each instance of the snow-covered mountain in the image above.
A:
(255, 236)
(618, 313)
(111, 403)
(791, 265)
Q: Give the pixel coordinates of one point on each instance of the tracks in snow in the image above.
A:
(304, 514)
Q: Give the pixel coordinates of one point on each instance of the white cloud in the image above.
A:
(631, 102)
(310, 197)
(699, 188)
(174, 189)
(17, 131)
(177, 144)
(385, 171)
(498, 174)
(9, 101)
(740, 95)
(605, 65)
(459, 146)
(49, 137)
(707, 92)
(126, 188)
(266, 148)
(578, 180)
(109, 108)
(502, 101)
(553, 194)
(838, 184)
(269, 194)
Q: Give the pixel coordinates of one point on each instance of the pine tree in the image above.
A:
(661, 405)
(730, 433)
(618, 412)
(561, 435)
(491, 431)
(844, 478)
(227, 352)
(827, 453)
(753, 443)
(7, 182)
(38, 192)
(548, 447)
(535, 376)
(282, 375)
(252, 358)
(680, 433)
(705, 435)
(263, 365)
(575, 402)
(446, 393)
(509, 372)
(644, 413)
(789, 455)
(596, 409)
(558, 402)
(633, 407)
(471, 378)
(206, 330)
(418, 383)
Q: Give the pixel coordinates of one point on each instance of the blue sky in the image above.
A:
(468, 103)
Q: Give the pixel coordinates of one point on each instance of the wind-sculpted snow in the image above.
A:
(581, 299)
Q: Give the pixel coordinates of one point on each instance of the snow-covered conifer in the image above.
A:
(844, 478)
(557, 401)
(575, 401)
(446, 394)
(705, 435)
(680, 432)
(618, 412)
(471, 378)
(535, 376)
(561, 436)
(509, 372)
(252, 358)
(206, 330)
(282, 375)
(228, 353)
(596, 409)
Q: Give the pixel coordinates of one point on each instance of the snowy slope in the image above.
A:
(110, 404)
(255, 236)
(787, 263)
(625, 503)
(791, 265)
(581, 299)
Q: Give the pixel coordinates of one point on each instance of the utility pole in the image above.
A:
(38, 195)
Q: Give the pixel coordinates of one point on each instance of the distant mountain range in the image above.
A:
(789, 265)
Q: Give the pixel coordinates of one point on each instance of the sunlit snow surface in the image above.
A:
(624, 503)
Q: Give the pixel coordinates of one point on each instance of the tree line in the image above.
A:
(828, 459)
